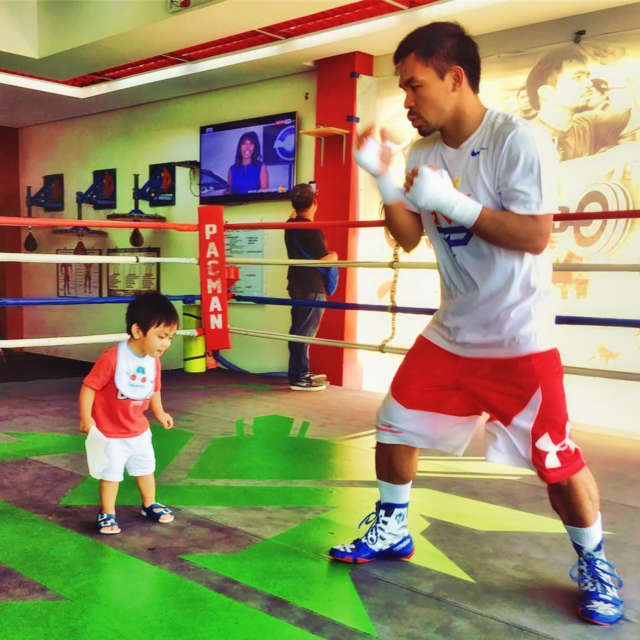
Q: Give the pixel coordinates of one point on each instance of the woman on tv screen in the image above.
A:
(248, 173)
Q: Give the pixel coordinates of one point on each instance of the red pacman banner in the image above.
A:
(213, 278)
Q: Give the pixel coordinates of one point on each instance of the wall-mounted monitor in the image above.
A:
(248, 160)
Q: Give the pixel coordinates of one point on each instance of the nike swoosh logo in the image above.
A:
(475, 152)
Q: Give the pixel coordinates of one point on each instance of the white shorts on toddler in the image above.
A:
(108, 457)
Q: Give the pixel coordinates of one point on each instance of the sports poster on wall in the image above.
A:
(585, 98)
(162, 182)
(132, 279)
(104, 182)
(79, 280)
(54, 192)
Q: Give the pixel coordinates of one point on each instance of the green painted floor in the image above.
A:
(263, 482)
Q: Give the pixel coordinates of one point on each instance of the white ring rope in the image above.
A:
(65, 258)
(564, 266)
(388, 264)
(634, 268)
(602, 373)
(73, 340)
(117, 337)
(57, 258)
(258, 333)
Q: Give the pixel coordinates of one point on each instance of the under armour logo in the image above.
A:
(545, 443)
(475, 152)
(385, 426)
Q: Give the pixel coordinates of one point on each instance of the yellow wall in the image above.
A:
(19, 27)
(130, 140)
(70, 24)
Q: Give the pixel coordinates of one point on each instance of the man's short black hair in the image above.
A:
(302, 196)
(443, 45)
(150, 310)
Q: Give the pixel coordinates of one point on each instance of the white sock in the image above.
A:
(587, 537)
(394, 493)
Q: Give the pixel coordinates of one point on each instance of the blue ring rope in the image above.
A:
(327, 304)
(56, 302)
(294, 302)
(227, 364)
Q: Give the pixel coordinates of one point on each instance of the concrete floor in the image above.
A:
(263, 482)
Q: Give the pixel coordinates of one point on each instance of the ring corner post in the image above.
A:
(213, 282)
(11, 318)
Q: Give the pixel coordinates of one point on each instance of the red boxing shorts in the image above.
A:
(437, 400)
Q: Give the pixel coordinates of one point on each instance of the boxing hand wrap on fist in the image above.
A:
(368, 157)
(432, 190)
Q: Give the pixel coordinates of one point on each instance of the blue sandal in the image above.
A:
(107, 520)
(150, 512)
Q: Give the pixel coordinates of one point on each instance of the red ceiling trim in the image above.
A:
(332, 18)
(29, 75)
(229, 44)
(320, 21)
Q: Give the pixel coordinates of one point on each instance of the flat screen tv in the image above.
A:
(248, 160)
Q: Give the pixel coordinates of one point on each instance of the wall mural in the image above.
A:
(587, 98)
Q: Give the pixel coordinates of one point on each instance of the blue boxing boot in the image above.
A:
(388, 536)
(598, 582)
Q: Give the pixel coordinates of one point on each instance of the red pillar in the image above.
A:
(337, 182)
(10, 237)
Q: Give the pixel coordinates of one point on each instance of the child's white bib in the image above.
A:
(135, 376)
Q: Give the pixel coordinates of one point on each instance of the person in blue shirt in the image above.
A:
(248, 173)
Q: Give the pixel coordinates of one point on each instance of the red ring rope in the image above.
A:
(8, 221)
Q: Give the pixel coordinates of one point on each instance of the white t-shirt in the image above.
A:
(495, 302)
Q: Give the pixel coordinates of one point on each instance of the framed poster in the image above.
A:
(131, 279)
(53, 192)
(79, 280)
(162, 184)
(104, 185)
(247, 244)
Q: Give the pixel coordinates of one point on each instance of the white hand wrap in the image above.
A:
(434, 191)
(368, 157)
(389, 191)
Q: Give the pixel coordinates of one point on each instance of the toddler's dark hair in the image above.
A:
(149, 310)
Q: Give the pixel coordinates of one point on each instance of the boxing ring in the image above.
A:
(190, 298)
(225, 552)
